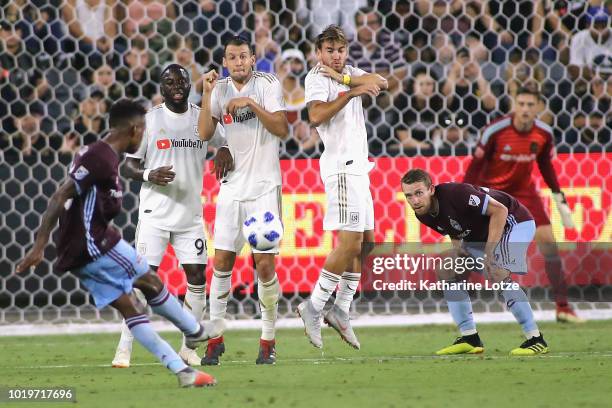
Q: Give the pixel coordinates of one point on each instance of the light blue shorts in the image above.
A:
(511, 252)
(113, 274)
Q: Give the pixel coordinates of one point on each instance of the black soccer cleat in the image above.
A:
(214, 350)
(267, 352)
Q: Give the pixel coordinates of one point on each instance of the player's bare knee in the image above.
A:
(224, 260)
(265, 266)
(195, 274)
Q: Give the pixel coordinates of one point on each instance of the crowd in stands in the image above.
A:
(452, 65)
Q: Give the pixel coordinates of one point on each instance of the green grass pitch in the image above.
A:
(395, 368)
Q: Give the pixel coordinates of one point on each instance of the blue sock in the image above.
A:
(143, 332)
(517, 302)
(460, 308)
(167, 306)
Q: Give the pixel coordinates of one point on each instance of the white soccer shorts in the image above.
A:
(349, 203)
(511, 252)
(189, 245)
(231, 215)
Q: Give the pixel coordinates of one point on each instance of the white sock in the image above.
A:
(219, 293)
(346, 290)
(268, 293)
(195, 302)
(323, 289)
(127, 338)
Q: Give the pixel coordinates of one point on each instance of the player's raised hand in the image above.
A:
(330, 73)
(162, 175)
(366, 89)
(32, 258)
(209, 80)
(224, 162)
(237, 103)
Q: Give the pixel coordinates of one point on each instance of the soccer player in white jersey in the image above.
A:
(251, 107)
(333, 97)
(170, 164)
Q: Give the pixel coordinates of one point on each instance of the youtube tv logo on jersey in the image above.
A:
(227, 119)
(163, 144)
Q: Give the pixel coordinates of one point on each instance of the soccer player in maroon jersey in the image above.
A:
(490, 226)
(504, 160)
(93, 250)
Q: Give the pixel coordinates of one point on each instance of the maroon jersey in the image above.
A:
(84, 232)
(505, 157)
(462, 211)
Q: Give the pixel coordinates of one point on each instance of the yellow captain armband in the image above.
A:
(346, 80)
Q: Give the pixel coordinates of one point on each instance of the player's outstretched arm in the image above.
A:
(275, 122)
(49, 219)
(206, 122)
(320, 112)
(354, 81)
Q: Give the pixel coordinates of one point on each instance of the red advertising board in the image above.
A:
(586, 180)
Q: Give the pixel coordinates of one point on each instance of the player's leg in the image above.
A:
(460, 308)
(346, 214)
(190, 249)
(268, 287)
(337, 262)
(151, 244)
(511, 258)
(110, 279)
(142, 330)
(227, 237)
(268, 291)
(338, 315)
(552, 262)
(554, 270)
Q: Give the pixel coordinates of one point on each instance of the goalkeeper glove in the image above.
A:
(564, 210)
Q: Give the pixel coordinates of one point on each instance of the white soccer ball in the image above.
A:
(263, 230)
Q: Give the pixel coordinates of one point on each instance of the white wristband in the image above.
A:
(145, 175)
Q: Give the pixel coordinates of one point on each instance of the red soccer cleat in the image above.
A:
(565, 314)
(194, 378)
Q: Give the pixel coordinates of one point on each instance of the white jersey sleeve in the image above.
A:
(273, 99)
(316, 88)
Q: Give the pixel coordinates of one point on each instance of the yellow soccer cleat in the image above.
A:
(531, 347)
(463, 345)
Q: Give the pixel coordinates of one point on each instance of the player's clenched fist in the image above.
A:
(161, 175)
(209, 80)
(238, 103)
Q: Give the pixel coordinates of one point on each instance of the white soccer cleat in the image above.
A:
(312, 322)
(208, 329)
(122, 358)
(340, 321)
(189, 356)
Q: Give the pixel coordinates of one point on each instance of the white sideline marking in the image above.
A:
(330, 360)
(31, 329)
